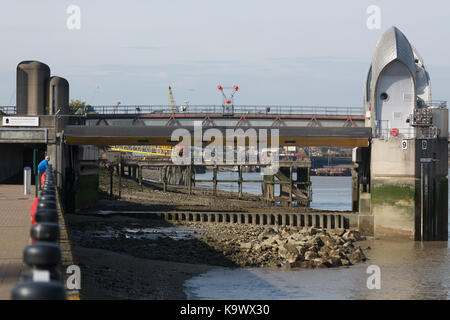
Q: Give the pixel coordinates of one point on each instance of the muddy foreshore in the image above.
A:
(126, 252)
(141, 257)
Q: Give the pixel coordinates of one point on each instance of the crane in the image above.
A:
(173, 107)
(228, 106)
(91, 100)
(116, 107)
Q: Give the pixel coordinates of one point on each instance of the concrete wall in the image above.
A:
(393, 188)
(409, 188)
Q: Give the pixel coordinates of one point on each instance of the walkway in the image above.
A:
(15, 223)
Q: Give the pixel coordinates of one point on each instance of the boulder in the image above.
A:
(318, 241)
(310, 255)
(334, 260)
(356, 256)
(324, 251)
(345, 262)
(320, 263)
(246, 245)
(288, 252)
(256, 247)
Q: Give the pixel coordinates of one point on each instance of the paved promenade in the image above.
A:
(15, 223)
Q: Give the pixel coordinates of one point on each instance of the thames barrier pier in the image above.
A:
(403, 174)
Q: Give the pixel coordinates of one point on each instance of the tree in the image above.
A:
(79, 107)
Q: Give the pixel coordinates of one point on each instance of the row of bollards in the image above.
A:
(42, 280)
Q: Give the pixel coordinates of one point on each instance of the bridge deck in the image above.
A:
(15, 223)
(161, 135)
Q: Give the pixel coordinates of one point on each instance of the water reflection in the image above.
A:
(409, 270)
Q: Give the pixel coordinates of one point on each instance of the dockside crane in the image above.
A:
(173, 107)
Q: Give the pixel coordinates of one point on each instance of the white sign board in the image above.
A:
(404, 144)
(424, 144)
(21, 121)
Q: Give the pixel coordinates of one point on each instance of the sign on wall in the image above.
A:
(21, 121)
(404, 144)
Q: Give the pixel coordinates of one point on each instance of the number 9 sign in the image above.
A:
(404, 144)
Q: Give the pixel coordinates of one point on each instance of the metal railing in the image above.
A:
(436, 103)
(383, 130)
(215, 109)
(239, 109)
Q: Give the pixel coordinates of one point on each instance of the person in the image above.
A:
(43, 165)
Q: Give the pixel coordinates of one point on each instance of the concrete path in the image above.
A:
(15, 223)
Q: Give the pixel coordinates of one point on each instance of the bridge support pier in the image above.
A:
(407, 196)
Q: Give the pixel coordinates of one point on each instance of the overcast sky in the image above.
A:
(278, 52)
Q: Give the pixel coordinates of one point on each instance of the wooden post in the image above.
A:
(120, 179)
(111, 172)
(240, 181)
(290, 185)
(165, 178)
(190, 178)
(215, 180)
(140, 176)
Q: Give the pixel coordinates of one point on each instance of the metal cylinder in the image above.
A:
(48, 191)
(26, 180)
(47, 204)
(46, 215)
(47, 197)
(42, 255)
(32, 83)
(45, 231)
(58, 93)
(440, 121)
(30, 290)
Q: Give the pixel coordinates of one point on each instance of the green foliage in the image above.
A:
(79, 107)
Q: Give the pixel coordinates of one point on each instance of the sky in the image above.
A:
(313, 53)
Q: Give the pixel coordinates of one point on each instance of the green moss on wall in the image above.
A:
(394, 195)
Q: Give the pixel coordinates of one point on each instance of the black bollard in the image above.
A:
(49, 182)
(42, 257)
(46, 215)
(48, 185)
(39, 290)
(46, 204)
(45, 231)
(47, 191)
(47, 197)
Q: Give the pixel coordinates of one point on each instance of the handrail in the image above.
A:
(238, 109)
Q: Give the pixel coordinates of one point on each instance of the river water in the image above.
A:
(409, 270)
(325, 196)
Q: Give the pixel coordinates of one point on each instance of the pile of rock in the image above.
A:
(288, 247)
